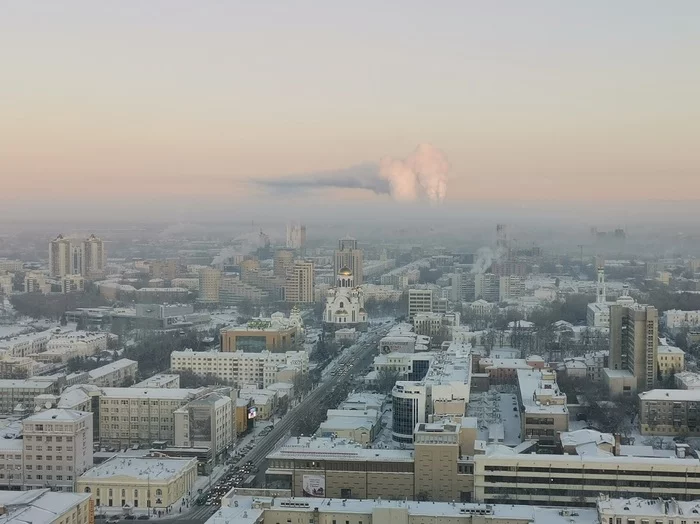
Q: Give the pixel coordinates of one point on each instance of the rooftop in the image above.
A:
(671, 394)
(336, 449)
(649, 507)
(58, 415)
(670, 350)
(159, 393)
(140, 467)
(540, 392)
(38, 506)
(107, 369)
(248, 510)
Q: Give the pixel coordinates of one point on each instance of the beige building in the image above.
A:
(283, 263)
(543, 405)
(634, 339)
(22, 392)
(64, 346)
(419, 301)
(299, 285)
(276, 334)
(670, 412)
(160, 380)
(206, 422)
(139, 482)
(209, 284)
(71, 256)
(72, 284)
(57, 448)
(42, 506)
(94, 257)
(131, 416)
(670, 360)
(239, 367)
(348, 255)
(35, 282)
(115, 374)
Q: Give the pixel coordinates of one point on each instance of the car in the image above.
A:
(143, 517)
(113, 518)
(129, 517)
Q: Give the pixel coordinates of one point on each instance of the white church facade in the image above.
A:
(345, 304)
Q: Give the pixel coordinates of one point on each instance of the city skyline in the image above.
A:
(153, 102)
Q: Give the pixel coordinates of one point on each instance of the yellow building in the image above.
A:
(276, 334)
(139, 482)
(42, 506)
(670, 360)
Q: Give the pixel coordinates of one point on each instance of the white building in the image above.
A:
(57, 448)
(239, 367)
(64, 346)
(419, 301)
(598, 312)
(345, 304)
(510, 287)
(42, 506)
(35, 282)
(675, 318)
(206, 422)
(25, 345)
(114, 374)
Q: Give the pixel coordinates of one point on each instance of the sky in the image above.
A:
(154, 107)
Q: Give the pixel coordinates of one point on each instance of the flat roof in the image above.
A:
(682, 395)
(27, 384)
(531, 383)
(58, 415)
(111, 368)
(139, 467)
(337, 449)
(254, 509)
(37, 506)
(160, 393)
(673, 350)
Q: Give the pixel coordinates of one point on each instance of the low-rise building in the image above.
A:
(543, 405)
(358, 426)
(121, 372)
(42, 506)
(22, 392)
(25, 345)
(675, 318)
(140, 482)
(276, 334)
(64, 346)
(687, 380)
(241, 367)
(207, 421)
(670, 412)
(670, 360)
(160, 380)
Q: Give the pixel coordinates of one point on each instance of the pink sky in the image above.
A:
(548, 101)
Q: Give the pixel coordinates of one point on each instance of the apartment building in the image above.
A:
(675, 319)
(72, 284)
(510, 287)
(435, 324)
(72, 256)
(634, 340)
(240, 367)
(160, 380)
(670, 412)
(207, 421)
(42, 506)
(299, 284)
(543, 407)
(57, 448)
(140, 482)
(35, 282)
(64, 346)
(25, 345)
(115, 374)
(129, 416)
(349, 256)
(209, 284)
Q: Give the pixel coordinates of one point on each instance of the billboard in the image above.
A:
(252, 412)
(313, 485)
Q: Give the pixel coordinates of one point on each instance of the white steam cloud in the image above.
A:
(422, 175)
(485, 257)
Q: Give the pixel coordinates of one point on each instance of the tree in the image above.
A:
(386, 378)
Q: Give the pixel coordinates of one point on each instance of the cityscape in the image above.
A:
(348, 264)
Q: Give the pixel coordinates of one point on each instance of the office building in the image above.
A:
(510, 287)
(129, 416)
(436, 325)
(140, 482)
(296, 235)
(164, 269)
(283, 263)
(419, 301)
(43, 506)
(57, 448)
(486, 286)
(16, 393)
(634, 338)
(209, 284)
(276, 334)
(35, 282)
(233, 291)
(240, 367)
(72, 284)
(299, 284)
(443, 392)
(278, 508)
(349, 256)
(160, 380)
(207, 421)
(670, 412)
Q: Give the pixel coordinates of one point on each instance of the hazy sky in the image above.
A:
(145, 103)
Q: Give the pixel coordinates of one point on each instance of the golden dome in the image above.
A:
(345, 271)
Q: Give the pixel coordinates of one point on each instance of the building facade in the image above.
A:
(349, 256)
(634, 340)
(299, 285)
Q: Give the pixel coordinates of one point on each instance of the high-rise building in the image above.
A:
(209, 284)
(93, 257)
(299, 287)
(70, 256)
(283, 262)
(419, 301)
(634, 339)
(349, 256)
(296, 235)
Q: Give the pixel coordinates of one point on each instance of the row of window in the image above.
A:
(587, 471)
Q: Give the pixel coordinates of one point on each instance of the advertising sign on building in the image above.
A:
(314, 485)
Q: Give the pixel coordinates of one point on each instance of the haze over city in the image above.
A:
(325, 263)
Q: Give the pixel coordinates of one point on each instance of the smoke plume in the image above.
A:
(422, 175)
(485, 257)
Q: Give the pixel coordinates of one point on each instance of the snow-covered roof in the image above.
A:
(140, 467)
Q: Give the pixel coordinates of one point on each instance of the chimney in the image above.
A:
(616, 450)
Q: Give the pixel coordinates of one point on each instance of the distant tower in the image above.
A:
(601, 286)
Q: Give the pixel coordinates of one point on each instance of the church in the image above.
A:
(345, 304)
